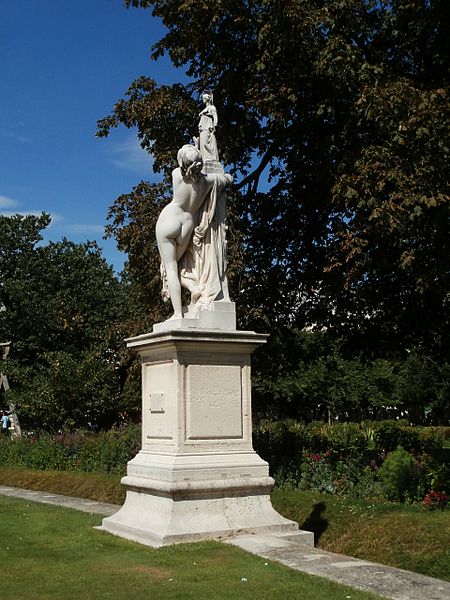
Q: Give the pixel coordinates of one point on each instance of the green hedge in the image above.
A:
(104, 452)
(338, 458)
(349, 458)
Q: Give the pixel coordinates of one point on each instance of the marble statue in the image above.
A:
(190, 233)
(207, 127)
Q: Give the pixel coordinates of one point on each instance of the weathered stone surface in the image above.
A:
(197, 475)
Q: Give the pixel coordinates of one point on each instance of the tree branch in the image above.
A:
(256, 174)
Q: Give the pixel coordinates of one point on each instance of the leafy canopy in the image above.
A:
(334, 118)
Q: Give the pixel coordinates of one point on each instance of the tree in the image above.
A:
(66, 315)
(334, 119)
(311, 96)
(19, 236)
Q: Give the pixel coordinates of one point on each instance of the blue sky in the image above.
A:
(63, 65)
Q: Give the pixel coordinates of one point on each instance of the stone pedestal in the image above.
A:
(197, 475)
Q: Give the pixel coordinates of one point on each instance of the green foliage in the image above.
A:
(342, 439)
(66, 316)
(66, 391)
(322, 473)
(334, 120)
(19, 236)
(103, 452)
(391, 243)
(282, 444)
(400, 475)
(310, 375)
(51, 298)
(45, 453)
(348, 458)
(109, 451)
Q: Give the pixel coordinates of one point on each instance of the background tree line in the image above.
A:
(66, 315)
(334, 120)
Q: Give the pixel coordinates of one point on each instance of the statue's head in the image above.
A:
(190, 161)
(207, 97)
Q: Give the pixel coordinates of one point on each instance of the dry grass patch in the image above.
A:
(408, 537)
(94, 486)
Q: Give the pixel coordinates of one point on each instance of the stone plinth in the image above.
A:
(222, 316)
(197, 475)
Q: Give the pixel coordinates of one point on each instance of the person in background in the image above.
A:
(5, 422)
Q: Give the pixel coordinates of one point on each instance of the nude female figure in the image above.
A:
(176, 222)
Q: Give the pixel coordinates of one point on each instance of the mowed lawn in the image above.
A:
(400, 535)
(50, 552)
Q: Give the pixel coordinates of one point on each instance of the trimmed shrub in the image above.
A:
(337, 458)
(400, 475)
(282, 444)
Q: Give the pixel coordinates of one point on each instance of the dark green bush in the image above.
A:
(43, 453)
(345, 440)
(282, 444)
(389, 435)
(401, 476)
(320, 473)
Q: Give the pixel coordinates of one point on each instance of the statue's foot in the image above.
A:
(175, 316)
(195, 296)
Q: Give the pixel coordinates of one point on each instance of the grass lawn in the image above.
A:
(50, 552)
(403, 536)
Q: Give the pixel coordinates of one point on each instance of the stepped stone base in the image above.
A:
(197, 475)
(158, 513)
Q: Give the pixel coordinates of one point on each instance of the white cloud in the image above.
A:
(129, 155)
(58, 222)
(23, 139)
(6, 202)
(55, 217)
(80, 228)
(23, 213)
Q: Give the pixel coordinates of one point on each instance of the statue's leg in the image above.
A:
(225, 292)
(184, 236)
(168, 251)
(191, 287)
(183, 241)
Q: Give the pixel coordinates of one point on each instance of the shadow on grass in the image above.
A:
(315, 522)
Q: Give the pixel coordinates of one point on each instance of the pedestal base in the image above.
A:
(197, 475)
(173, 498)
(159, 520)
(221, 316)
